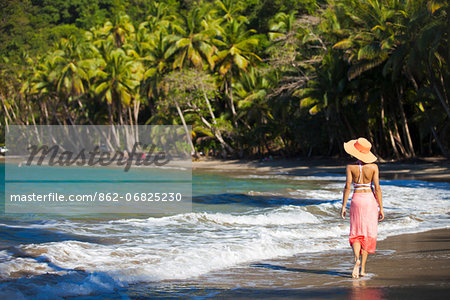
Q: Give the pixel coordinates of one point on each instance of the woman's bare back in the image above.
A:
(369, 172)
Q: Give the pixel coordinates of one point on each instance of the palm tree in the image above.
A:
(156, 66)
(72, 68)
(236, 51)
(118, 29)
(15, 107)
(117, 81)
(326, 94)
(43, 87)
(427, 32)
(281, 26)
(378, 32)
(254, 110)
(159, 17)
(423, 56)
(230, 10)
(192, 40)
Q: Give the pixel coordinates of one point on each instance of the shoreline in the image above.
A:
(432, 169)
(412, 266)
(405, 266)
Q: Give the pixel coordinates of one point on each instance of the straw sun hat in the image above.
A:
(360, 149)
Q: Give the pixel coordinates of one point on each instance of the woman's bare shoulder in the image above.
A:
(372, 166)
(351, 165)
(354, 166)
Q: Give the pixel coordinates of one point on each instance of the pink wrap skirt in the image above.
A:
(364, 221)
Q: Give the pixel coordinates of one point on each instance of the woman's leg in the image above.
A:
(363, 262)
(356, 250)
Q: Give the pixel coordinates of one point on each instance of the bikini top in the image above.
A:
(361, 186)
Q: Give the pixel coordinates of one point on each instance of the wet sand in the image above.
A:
(409, 266)
(431, 169)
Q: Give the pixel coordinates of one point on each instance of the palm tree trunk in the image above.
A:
(46, 113)
(120, 112)
(347, 124)
(398, 140)
(30, 111)
(84, 111)
(394, 136)
(129, 116)
(14, 116)
(230, 95)
(132, 127)
(383, 124)
(436, 89)
(391, 137)
(69, 116)
(136, 105)
(233, 110)
(436, 138)
(6, 113)
(445, 90)
(115, 139)
(110, 114)
(215, 130)
(208, 104)
(225, 146)
(6, 124)
(188, 135)
(405, 125)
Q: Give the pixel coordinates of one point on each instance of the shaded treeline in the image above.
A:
(252, 78)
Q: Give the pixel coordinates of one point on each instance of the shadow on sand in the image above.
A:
(311, 271)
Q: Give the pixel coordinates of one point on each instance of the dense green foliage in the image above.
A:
(252, 78)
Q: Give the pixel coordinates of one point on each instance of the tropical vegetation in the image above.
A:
(252, 78)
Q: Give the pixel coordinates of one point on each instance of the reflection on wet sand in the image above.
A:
(360, 291)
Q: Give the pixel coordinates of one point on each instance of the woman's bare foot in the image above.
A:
(362, 273)
(355, 273)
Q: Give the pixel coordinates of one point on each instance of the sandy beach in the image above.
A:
(405, 266)
(408, 266)
(431, 169)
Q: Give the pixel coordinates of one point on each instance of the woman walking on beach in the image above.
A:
(364, 212)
